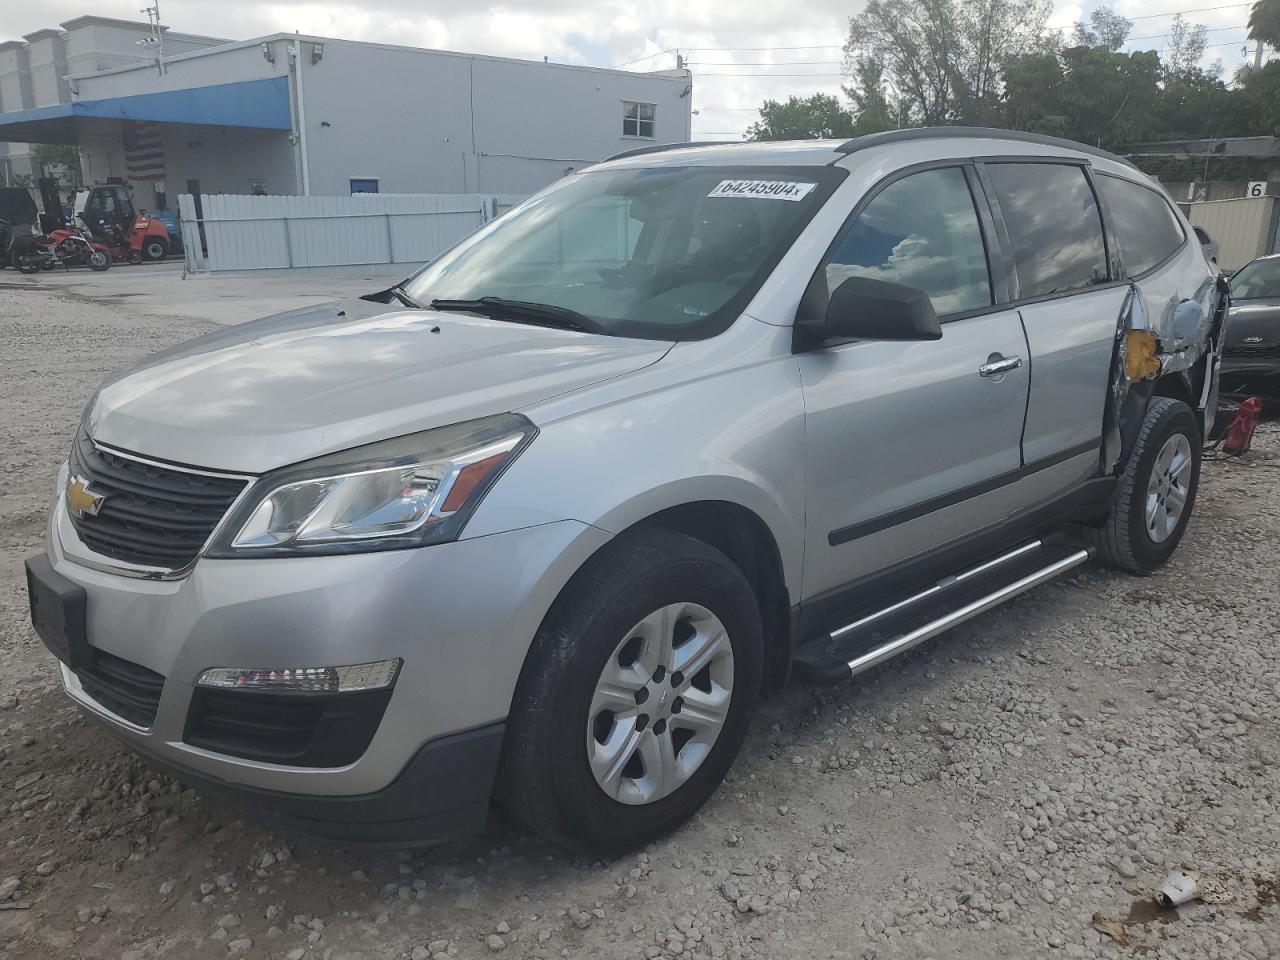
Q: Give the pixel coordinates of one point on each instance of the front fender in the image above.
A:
(735, 436)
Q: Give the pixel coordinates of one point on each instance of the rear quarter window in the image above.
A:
(1054, 229)
(1142, 221)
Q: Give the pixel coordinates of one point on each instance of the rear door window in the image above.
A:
(1142, 221)
(921, 231)
(1054, 228)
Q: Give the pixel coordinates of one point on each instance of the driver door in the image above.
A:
(911, 445)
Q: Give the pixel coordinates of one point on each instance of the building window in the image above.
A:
(364, 185)
(257, 187)
(637, 119)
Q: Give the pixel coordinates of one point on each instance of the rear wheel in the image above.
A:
(1156, 493)
(636, 696)
(29, 263)
(155, 248)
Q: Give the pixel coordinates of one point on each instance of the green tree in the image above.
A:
(1258, 101)
(871, 110)
(942, 58)
(1264, 22)
(1186, 47)
(59, 159)
(818, 116)
(1106, 28)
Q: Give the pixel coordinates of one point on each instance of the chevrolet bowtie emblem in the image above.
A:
(81, 500)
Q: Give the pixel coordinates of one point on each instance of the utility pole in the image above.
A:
(156, 39)
(1257, 56)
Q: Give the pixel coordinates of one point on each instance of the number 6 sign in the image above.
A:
(1257, 188)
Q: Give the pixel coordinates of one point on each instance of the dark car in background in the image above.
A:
(1251, 353)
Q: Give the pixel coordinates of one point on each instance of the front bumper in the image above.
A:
(460, 616)
(413, 808)
(1242, 376)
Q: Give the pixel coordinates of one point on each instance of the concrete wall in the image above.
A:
(463, 124)
(48, 63)
(1244, 228)
(223, 159)
(424, 121)
(231, 63)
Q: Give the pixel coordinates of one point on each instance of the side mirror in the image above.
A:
(865, 309)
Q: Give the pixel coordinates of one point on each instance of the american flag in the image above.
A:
(143, 150)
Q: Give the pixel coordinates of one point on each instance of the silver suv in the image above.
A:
(540, 524)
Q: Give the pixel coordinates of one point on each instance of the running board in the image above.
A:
(882, 634)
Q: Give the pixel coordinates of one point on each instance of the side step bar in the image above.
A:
(882, 634)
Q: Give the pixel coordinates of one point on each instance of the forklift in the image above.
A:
(107, 211)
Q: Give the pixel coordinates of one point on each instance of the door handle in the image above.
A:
(996, 365)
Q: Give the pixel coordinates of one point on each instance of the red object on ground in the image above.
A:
(1239, 437)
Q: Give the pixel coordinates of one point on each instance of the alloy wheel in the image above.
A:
(1168, 487)
(660, 703)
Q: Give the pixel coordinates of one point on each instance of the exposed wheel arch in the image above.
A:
(744, 538)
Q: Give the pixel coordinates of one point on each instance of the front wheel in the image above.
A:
(155, 249)
(99, 260)
(636, 696)
(1156, 493)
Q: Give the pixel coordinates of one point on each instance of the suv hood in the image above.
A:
(322, 379)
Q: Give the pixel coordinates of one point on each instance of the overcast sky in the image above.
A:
(730, 80)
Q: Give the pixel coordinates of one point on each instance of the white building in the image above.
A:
(314, 115)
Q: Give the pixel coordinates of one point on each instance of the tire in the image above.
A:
(554, 731)
(134, 256)
(29, 263)
(154, 248)
(99, 260)
(1124, 539)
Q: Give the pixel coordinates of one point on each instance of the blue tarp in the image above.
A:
(249, 103)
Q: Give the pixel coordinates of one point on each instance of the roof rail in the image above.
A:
(989, 133)
(662, 147)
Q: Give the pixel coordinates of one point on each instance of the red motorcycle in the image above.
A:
(65, 248)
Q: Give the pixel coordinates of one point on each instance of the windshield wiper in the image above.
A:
(399, 293)
(525, 311)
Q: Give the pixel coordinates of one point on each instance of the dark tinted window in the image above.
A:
(1142, 221)
(1053, 224)
(1259, 280)
(921, 231)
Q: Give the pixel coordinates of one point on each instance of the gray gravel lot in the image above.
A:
(1013, 789)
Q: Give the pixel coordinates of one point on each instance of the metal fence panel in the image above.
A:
(260, 233)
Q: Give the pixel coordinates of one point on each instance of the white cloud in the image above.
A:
(729, 83)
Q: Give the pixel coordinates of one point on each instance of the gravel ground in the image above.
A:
(1014, 789)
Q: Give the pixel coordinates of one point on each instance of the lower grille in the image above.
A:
(299, 730)
(126, 689)
(150, 515)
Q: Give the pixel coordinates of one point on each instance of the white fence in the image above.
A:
(266, 233)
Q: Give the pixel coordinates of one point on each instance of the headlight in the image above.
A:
(399, 493)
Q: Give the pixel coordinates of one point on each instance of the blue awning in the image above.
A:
(263, 104)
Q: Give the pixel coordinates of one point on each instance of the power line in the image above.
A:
(639, 59)
(1174, 13)
(1158, 36)
(775, 63)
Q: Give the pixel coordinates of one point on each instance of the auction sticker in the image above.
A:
(763, 189)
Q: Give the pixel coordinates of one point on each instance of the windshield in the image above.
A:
(1259, 280)
(671, 253)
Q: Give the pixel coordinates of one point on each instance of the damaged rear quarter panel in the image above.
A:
(1182, 306)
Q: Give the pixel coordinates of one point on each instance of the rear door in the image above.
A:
(1069, 297)
(909, 444)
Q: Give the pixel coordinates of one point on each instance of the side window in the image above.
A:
(921, 231)
(1145, 227)
(1054, 228)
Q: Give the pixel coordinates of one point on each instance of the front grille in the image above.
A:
(150, 515)
(300, 730)
(125, 688)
